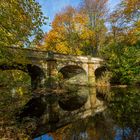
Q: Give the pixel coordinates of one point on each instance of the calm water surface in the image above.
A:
(80, 114)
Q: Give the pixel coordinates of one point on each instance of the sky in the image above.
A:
(51, 7)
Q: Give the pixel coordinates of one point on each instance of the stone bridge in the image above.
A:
(44, 67)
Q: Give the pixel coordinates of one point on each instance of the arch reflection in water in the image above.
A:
(54, 115)
(120, 121)
(74, 99)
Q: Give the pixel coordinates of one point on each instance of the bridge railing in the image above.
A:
(39, 54)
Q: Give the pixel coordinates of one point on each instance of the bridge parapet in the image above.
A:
(34, 53)
(30, 53)
(76, 58)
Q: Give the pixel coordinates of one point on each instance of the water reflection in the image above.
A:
(120, 121)
(44, 137)
(74, 104)
(125, 111)
(79, 113)
(75, 99)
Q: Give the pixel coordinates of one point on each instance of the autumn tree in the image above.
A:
(125, 22)
(20, 26)
(79, 31)
(123, 45)
(96, 10)
(68, 32)
(20, 22)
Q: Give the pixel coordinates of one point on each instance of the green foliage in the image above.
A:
(122, 48)
(20, 26)
(20, 22)
(124, 108)
(124, 63)
(14, 79)
(11, 56)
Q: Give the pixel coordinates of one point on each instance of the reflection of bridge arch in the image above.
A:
(35, 72)
(48, 112)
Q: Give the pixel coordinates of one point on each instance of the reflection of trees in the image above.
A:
(121, 119)
(124, 110)
(9, 105)
(14, 94)
(14, 78)
(96, 127)
(104, 93)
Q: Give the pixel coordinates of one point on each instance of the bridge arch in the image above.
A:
(37, 76)
(74, 74)
(35, 72)
(69, 71)
(100, 71)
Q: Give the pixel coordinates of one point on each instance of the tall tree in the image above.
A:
(123, 47)
(20, 25)
(68, 32)
(96, 10)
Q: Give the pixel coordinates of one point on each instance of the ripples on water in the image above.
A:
(80, 114)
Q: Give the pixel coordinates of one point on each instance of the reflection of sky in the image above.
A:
(51, 7)
(118, 136)
(121, 133)
(44, 137)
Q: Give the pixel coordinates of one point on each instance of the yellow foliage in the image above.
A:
(20, 91)
(69, 29)
(72, 32)
(131, 6)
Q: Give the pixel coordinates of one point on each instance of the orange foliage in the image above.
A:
(67, 33)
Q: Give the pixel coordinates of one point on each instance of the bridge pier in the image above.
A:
(91, 74)
(93, 98)
(52, 74)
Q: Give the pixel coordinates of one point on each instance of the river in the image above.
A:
(81, 113)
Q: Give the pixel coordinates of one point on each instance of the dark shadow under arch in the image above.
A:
(37, 76)
(99, 71)
(70, 71)
(36, 73)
